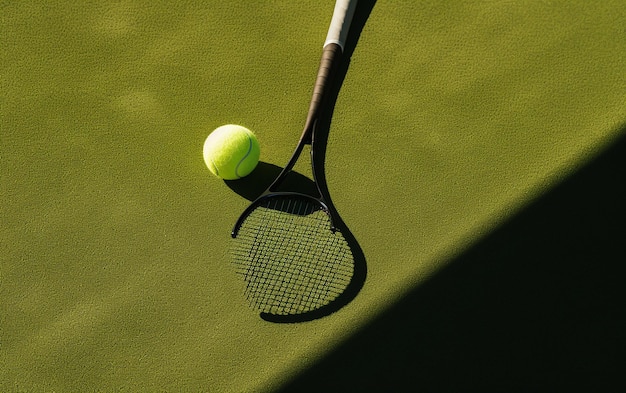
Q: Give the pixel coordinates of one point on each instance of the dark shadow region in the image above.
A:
(538, 305)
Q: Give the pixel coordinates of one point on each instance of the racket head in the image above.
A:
(291, 256)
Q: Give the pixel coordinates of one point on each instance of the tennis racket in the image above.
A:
(287, 246)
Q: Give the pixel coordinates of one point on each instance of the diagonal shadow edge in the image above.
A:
(536, 305)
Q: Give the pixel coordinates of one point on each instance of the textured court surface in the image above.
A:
(454, 118)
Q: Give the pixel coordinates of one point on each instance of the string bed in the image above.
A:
(291, 260)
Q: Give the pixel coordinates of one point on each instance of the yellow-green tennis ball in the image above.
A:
(231, 152)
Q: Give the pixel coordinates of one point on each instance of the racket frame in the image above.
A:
(331, 55)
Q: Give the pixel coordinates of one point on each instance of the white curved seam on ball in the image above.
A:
(244, 157)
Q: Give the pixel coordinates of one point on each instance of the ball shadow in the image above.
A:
(253, 185)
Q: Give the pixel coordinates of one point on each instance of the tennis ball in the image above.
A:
(231, 152)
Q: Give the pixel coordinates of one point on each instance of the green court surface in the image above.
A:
(476, 153)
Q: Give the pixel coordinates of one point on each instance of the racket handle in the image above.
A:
(330, 58)
(333, 49)
(340, 23)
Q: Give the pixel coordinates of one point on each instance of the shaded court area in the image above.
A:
(537, 305)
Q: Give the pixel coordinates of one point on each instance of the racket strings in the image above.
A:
(289, 258)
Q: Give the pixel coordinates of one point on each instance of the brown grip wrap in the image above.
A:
(330, 59)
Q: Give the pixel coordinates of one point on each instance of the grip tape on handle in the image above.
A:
(328, 64)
